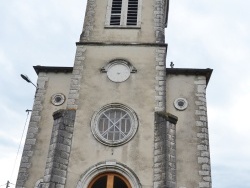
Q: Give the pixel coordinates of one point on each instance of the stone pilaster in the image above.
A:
(59, 151)
(32, 132)
(165, 151)
(202, 134)
(171, 151)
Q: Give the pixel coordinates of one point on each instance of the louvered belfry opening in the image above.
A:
(132, 12)
(116, 12)
(124, 12)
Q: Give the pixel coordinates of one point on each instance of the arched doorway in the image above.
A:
(109, 174)
(109, 180)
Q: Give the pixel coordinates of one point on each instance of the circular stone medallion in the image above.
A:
(57, 99)
(118, 72)
(180, 104)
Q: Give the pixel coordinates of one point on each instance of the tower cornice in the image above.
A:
(122, 44)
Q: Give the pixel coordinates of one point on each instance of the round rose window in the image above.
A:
(114, 124)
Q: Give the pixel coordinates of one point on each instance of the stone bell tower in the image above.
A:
(111, 119)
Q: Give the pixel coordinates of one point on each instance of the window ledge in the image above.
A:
(121, 27)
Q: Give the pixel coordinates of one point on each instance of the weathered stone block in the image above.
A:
(47, 178)
(62, 147)
(77, 62)
(33, 130)
(207, 178)
(80, 58)
(59, 186)
(204, 184)
(35, 118)
(204, 173)
(25, 165)
(201, 82)
(160, 78)
(64, 155)
(202, 135)
(200, 103)
(203, 99)
(202, 147)
(75, 71)
(30, 136)
(158, 158)
(203, 118)
(160, 68)
(201, 88)
(25, 159)
(199, 123)
(205, 154)
(58, 172)
(204, 130)
(19, 183)
(58, 179)
(158, 109)
(27, 153)
(205, 167)
(158, 151)
(202, 160)
(200, 112)
(72, 106)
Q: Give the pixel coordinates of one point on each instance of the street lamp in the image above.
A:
(26, 78)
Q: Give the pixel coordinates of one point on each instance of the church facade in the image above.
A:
(119, 117)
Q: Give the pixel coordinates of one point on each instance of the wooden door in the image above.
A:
(109, 180)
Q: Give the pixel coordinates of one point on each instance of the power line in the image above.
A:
(20, 143)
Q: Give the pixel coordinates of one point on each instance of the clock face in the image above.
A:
(118, 72)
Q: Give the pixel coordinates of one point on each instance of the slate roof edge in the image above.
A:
(187, 71)
(39, 69)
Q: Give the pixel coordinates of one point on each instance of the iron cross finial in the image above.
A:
(172, 65)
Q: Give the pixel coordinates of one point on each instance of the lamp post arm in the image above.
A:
(26, 78)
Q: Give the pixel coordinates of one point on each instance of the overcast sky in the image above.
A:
(200, 34)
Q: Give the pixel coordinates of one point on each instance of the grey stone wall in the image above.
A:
(32, 132)
(165, 151)
(160, 79)
(164, 176)
(76, 78)
(89, 20)
(59, 151)
(202, 134)
(159, 21)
